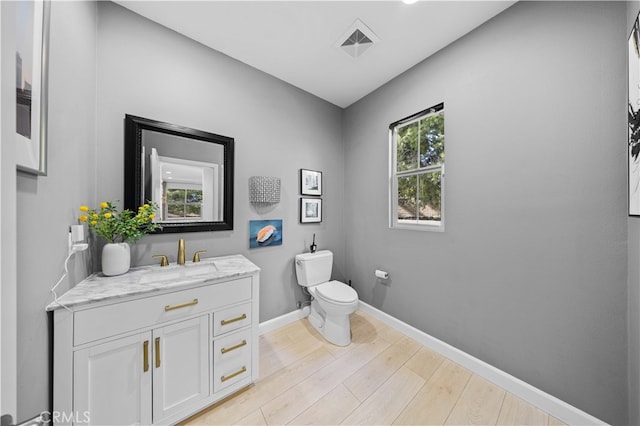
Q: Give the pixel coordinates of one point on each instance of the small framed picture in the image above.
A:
(310, 210)
(264, 233)
(310, 182)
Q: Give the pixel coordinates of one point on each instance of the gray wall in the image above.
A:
(531, 272)
(47, 205)
(634, 284)
(149, 71)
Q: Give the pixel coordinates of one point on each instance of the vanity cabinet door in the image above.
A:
(112, 382)
(180, 366)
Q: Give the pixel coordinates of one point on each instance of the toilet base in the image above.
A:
(336, 328)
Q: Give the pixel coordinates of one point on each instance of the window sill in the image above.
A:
(430, 226)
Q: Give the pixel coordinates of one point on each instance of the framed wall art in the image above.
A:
(264, 233)
(633, 149)
(310, 182)
(32, 54)
(310, 210)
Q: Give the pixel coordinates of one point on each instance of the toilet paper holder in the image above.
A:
(384, 275)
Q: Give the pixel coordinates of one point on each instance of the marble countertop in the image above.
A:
(149, 279)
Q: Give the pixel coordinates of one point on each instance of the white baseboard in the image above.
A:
(282, 320)
(548, 403)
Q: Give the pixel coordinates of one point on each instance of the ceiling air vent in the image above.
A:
(357, 39)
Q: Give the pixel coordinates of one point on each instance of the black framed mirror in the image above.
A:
(188, 173)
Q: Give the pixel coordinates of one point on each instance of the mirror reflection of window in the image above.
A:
(183, 203)
(186, 190)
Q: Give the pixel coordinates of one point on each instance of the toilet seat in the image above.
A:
(336, 292)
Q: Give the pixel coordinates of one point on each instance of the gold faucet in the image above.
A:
(181, 252)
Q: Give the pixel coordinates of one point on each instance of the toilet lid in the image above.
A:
(336, 291)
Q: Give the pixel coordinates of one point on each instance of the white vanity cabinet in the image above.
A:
(99, 369)
(124, 356)
(181, 366)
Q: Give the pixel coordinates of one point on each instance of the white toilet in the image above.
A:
(333, 301)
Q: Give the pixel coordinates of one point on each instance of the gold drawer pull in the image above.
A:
(231, 376)
(145, 355)
(233, 348)
(182, 305)
(240, 318)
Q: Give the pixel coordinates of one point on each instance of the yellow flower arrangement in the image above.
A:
(125, 226)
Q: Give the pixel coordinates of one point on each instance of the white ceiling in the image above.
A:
(297, 41)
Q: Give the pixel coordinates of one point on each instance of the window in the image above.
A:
(183, 203)
(417, 171)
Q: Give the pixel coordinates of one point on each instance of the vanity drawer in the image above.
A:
(110, 320)
(231, 359)
(232, 318)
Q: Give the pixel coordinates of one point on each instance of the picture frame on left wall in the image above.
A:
(32, 65)
(633, 114)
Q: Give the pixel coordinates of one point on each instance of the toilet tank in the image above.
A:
(314, 268)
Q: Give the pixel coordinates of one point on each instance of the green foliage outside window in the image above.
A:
(184, 203)
(419, 147)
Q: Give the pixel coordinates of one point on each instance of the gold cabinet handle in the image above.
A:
(181, 305)
(240, 318)
(231, 376)
(157, 352)
(234, 347)
(145, 355)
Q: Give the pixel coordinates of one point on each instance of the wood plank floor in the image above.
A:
(382, 378)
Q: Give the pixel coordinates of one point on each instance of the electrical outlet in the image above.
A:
(76, 234)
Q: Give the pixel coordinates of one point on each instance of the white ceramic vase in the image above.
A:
(116, 258)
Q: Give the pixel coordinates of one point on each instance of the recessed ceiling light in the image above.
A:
(409, 1)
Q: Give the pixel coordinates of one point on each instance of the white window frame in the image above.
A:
(416, 225)
(182, 187)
